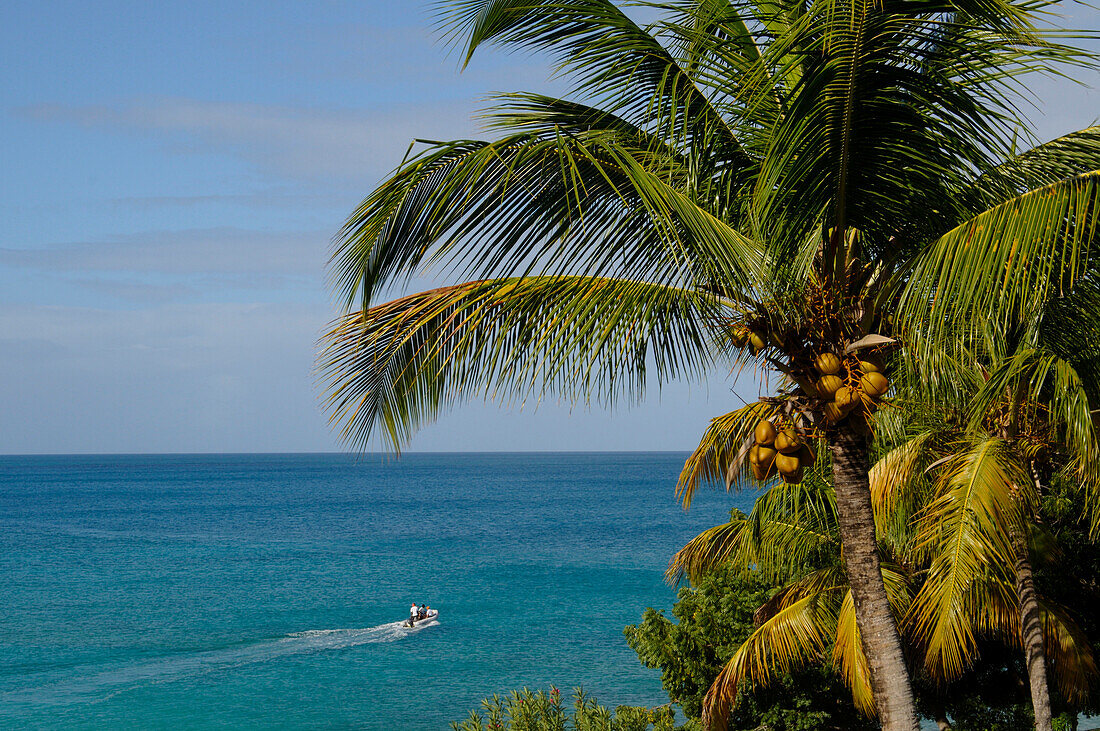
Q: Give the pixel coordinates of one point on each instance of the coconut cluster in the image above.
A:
(848, 384)
(754, 337)
(784, 450)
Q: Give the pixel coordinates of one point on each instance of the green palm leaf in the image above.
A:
(965, 529)
(609, 57)
(1047, 164)
(580, 337)
(721, 454)
(1008, 261)
(795, 635)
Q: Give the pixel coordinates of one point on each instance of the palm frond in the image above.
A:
(400, 363)
(965, 529)
(849, 659)
(720, 456)
(707, 551)
(1067, 649)
(1046, 164)
(608, 56)
(885, 129)
(797, 634)
(1007, 262)
(1069, 652)
(790, 527)
(1053, 394)
(500, 208)
(892, 478)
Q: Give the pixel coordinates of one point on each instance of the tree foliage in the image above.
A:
(821, 172)
(524, 710)
(711, 621)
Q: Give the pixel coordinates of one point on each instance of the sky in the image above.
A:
(173, 175)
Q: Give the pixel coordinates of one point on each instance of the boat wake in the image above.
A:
(94, 684)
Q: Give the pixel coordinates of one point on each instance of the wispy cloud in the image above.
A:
(287, 141)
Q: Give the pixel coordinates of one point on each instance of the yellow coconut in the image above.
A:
(828, 385)
(806, 455)
(870, 364)
(828, 363)
(788, 441)
(761, 468)
(765, 455)
(757, 342)
(874, 384)
(833, 413)
(845, 397)
(740, 337)
(765, 432)
(787, 463)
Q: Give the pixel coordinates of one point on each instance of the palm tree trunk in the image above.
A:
(878, 630)
(1031, 633)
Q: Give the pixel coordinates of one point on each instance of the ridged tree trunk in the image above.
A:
(1031, 634)
(881, 641)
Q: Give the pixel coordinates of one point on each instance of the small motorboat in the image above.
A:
(430, 615)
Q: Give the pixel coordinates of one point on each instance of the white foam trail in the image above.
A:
(96, 685)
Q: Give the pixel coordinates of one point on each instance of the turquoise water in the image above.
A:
(266, 590)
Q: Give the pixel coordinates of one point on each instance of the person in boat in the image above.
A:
(423, 612)
(413, 612)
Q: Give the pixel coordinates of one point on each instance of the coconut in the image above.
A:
(757, 342)
(788, 441)
(828, 385)
(874, 384)
(787, 463)
(833, 412)
(763, 471)
(740, 338)
(828, 363)
(845, 397)
(870, 364)
(765, 455)
(765, 432)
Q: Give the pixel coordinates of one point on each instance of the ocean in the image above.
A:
(253, 591)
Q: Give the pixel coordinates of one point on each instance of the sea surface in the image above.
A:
(251, 591)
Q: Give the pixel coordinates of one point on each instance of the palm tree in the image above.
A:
(792, 536)
(1025, 412)
(764, 174)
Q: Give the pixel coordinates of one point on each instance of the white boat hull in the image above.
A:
(432, 614)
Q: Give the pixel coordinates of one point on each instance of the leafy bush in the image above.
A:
(543, 711)
(712, 621)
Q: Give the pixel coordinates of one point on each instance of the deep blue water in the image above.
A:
(264, 590)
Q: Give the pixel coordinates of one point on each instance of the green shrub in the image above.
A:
(525, 710)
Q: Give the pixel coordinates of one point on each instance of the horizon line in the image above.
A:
(403, 453)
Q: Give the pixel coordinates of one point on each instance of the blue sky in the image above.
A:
(173, 175)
